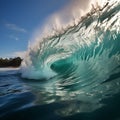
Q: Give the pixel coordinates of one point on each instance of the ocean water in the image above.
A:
(73, 74)
(21, 99)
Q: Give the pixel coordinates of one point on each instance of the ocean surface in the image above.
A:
(21, 99)
(72, 74)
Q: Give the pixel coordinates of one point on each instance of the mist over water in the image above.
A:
(78, 62)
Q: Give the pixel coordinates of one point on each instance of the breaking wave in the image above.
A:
(82, 58)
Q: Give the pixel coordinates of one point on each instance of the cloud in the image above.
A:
(14, 37)
(15, 27)
(20, 54)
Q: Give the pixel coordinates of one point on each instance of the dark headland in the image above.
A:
(10, 62)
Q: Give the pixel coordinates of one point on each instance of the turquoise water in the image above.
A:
(71, 75)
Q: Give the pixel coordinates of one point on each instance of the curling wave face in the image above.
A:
(81, 60)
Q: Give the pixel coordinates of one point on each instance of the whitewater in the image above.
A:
(81, 60)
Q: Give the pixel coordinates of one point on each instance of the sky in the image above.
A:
(19, 19)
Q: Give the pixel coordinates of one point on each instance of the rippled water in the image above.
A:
(71, 75)
(21, 99)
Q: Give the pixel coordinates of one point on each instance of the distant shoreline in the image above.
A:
(10, 63)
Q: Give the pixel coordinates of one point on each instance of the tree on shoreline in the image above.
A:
(11, 62)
